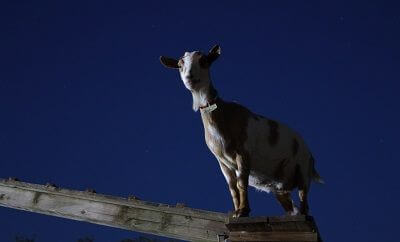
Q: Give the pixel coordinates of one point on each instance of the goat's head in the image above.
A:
(193, 67)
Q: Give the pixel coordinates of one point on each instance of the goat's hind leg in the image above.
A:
(286, 201)
(303, 201)
(303, 179)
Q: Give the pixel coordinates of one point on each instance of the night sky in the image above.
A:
(85, 103)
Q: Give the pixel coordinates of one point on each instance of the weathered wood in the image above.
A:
(178, 221)
(283, 228)
(147, 217)
(273, 236)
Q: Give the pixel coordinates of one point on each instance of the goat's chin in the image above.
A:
(195, 108)
(190, 88)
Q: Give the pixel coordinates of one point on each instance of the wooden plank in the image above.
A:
(288, 218)
(285, 218)
(155, 218)
(266, 224)
(147, 217)
(273, 236)
(281, 228)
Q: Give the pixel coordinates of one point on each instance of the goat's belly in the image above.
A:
(272, 170)
(265, 184)
(272, 175)
(266, 162)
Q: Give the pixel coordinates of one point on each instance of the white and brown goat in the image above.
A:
(250, 149)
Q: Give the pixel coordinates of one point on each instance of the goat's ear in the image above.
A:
(169, 62)
(214, 53)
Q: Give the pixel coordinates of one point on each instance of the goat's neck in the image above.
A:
(204, 96)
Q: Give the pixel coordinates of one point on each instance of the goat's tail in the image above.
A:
(315, 176)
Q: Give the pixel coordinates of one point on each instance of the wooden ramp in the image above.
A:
(178, 221)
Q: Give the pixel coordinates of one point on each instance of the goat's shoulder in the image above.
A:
(233, 111)
(230, 119)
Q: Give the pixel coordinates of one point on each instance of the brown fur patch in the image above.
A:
(295, 147)
(273, 132)
(230, 119)
(279, 172)
(298, 179)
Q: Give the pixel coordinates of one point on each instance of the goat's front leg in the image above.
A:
(230, 178)
(242, 176)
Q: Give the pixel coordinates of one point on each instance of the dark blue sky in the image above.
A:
(84, 102)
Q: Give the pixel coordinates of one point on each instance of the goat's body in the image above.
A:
(277, 157)
(251, 149)
(279, 166)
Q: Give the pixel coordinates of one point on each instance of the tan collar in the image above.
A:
(211, 106)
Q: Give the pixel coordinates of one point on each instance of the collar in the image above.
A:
(211, 106)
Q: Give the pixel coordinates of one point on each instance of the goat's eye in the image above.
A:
(203, 62)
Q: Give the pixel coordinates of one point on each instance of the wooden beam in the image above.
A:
(131, 214)
(283, 228)
(154, 218)
(273, 236)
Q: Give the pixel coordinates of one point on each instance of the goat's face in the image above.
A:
(193, 67)
(194, 70)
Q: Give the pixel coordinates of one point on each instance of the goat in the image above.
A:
(250, 149)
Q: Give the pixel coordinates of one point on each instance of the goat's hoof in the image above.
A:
(241, 212)
(294, 212)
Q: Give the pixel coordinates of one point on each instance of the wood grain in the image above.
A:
(147, 217)
(178, 221)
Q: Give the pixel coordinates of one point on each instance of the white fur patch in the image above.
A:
(199, 98)
(268, 187)
(191, 68)
(255, 183)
